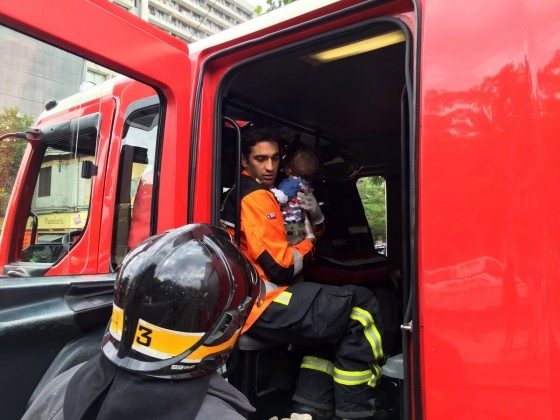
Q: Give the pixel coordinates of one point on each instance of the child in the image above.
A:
(300, 165)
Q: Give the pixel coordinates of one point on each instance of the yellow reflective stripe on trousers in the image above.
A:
(350, 378)
(370, 331)
(346, 377)
(316, 363)
(283, 298)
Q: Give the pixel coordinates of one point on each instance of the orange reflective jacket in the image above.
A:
(263, 239)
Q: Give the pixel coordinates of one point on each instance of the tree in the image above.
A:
(271, 5)
(373, 195)
(11, 151)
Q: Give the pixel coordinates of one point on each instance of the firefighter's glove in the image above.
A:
(309, 203)
(309, 230)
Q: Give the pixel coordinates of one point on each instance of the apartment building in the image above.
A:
(190, 20)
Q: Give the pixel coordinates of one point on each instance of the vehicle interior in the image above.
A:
(352, 110)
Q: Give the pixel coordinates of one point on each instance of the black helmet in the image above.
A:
(181, 299)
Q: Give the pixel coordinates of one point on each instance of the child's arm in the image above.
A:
(280, 196)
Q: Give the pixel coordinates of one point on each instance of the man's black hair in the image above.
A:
(255, 134)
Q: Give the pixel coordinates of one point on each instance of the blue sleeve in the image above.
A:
(289, 186)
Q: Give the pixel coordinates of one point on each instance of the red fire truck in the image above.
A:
(444, 101)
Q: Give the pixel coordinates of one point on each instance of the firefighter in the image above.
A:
(181, 299)
(339, 325)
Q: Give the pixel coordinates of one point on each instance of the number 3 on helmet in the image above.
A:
(181, 299)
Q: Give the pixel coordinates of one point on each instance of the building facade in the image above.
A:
(33, 73)
(190, 20)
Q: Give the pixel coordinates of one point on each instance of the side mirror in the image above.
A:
(89, 169)
(34, 226)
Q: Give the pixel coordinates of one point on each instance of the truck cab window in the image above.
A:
(136, 178)
(61, 199)
(372, 190)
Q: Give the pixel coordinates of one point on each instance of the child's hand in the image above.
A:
(309, 203)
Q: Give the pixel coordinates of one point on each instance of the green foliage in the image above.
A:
(11, 151)
(271, 5)
(372, 192)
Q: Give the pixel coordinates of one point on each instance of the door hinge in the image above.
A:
(407, 326)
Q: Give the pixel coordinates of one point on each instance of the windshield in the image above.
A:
(61, 198)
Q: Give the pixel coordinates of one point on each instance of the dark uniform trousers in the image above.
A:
(340, 328)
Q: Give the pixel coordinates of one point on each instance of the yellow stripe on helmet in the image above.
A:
(205, 351)
(152, 340)
(162, 343)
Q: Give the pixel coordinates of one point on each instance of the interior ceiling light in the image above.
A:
(358, 47)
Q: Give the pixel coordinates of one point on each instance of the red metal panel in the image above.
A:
(82, 258)
(488, 210)
(125, 93)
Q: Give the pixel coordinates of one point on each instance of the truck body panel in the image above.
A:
(487, 245)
